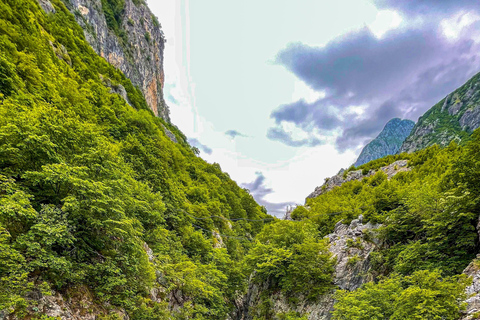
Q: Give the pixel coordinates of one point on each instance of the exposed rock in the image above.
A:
(218, 241)
(61, 53)
(149, 252)
(116, 88)
(77, 304)
(336, 181)
(352, 246)
(452, 119)
(46, 6)
(472, 291)
(470, 119)
(169, 134)
(138, 53)
(349, 245)
(387, 142)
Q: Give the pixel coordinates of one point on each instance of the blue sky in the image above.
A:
(283, 94)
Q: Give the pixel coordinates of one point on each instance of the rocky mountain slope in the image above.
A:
(128, 36)
(346, 176)
(388, 142)
(351, 245)
(452, 119)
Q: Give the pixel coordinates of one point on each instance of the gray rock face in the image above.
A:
(473, 297)
(349, 246)
(138, 54)
(388, 142)
(79, 305)
(352, 246)
(452, 119)
(46, 6)
(339, 179)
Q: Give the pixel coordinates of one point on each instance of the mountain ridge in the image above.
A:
(453, 118)
(388, 142)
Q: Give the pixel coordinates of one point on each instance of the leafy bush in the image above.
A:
(289, 256)
(423, 295)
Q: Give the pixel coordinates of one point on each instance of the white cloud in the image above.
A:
(384, 21)
(303, 91)
(453, 27)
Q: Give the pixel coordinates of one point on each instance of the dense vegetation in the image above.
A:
(428, 217)
(87, 182)
(288, 251)
(424, 295)
(95, 197)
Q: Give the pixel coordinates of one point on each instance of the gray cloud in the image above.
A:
(428, 7)
(234, 133)
(400, 75)
(259, 191)
(194, 142)
(301, 113)
(278, 134)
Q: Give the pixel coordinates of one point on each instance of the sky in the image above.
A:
(283, 94)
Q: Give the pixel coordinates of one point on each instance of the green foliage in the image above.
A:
(155, 21)
(428, 214)
(89, 184)
(289, 256)
(423, 295)
(290, 316)
(148, 37)
(113, 11)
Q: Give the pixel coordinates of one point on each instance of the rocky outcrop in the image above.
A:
(133, 42)
(452, 119)
(342, 177)
(77, 304)
(388, 142)
(473, 290)
(352, 246)
(46, 6)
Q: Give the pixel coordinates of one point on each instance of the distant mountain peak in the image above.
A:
(388, 142)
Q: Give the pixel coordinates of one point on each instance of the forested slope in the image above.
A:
(428, 234)
(95, 197)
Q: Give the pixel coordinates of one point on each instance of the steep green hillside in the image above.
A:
(94, 196)
(428, 235)
(414, 208)
(388, 142)
(452, 119)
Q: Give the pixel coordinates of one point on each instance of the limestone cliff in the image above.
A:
(387, 142)
(130, 38)
(452, 119)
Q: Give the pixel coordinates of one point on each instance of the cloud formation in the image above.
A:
(428, 7)
(369, 80)
(234, 133)
(259, 191)
(194, 142)
(279, 134)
